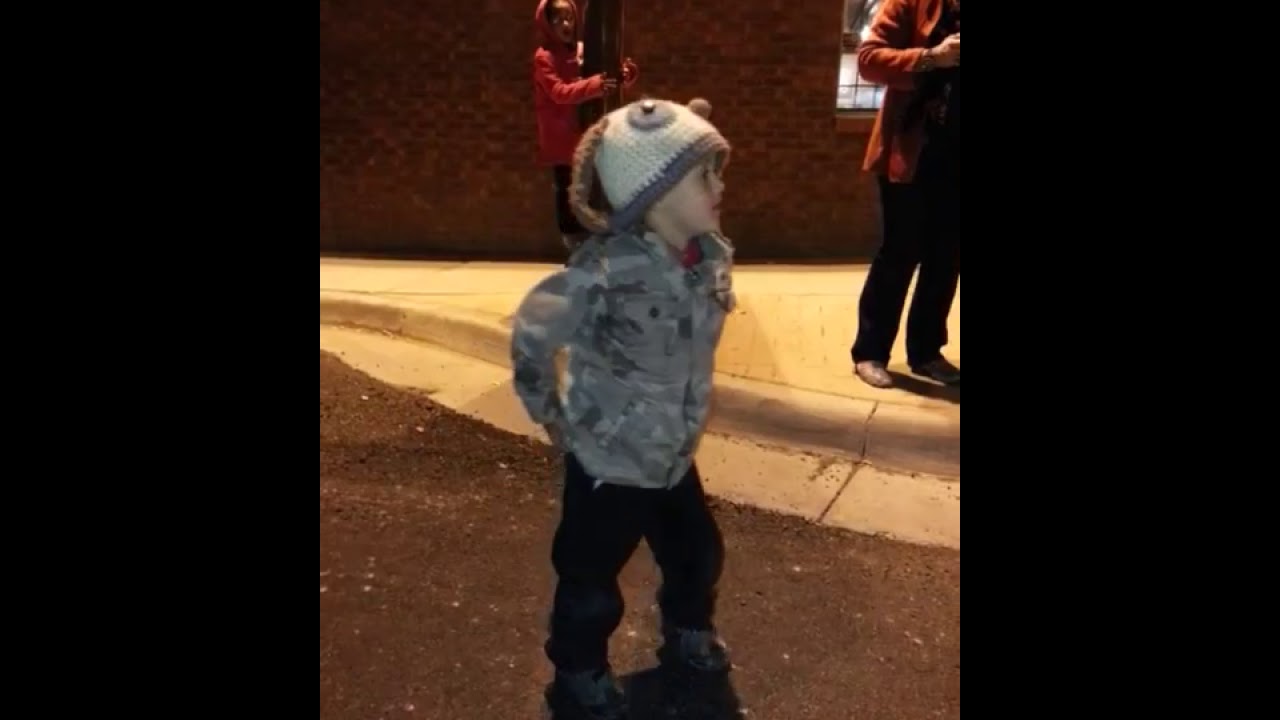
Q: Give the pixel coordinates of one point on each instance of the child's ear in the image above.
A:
(701, 107)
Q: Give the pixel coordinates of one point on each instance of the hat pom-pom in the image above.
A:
(701, 107)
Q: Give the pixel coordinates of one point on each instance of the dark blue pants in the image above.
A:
(599, 531)
(566, 221)
(921, 229)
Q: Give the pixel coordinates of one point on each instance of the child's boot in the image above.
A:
(591, 695)
(692, 658)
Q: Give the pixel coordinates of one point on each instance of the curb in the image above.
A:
(893, 437)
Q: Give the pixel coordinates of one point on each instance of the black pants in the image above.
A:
(921, 228)
(562, 177)
(600, 528)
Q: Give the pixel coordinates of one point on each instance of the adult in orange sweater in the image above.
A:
(914, 50)
(558, 90)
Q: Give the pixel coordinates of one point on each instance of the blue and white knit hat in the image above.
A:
(639, 152)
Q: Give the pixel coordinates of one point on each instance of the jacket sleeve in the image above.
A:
(547, 318)
(561, 92)
(885, 56)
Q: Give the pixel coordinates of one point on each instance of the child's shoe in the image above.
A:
(693, 652)
(695, 671)
(591, 695)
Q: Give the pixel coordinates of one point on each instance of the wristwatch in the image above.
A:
(926, 61)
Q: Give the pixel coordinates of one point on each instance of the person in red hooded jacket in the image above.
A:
(558, 90)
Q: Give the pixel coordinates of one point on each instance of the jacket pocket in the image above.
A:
(626, 419)
(596, 405)
(649, 433)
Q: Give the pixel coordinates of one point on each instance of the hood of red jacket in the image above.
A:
(547, 35)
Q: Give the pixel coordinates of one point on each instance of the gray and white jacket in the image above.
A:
(641, 332)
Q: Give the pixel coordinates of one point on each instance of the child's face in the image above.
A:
(692, 207)
(562, 21)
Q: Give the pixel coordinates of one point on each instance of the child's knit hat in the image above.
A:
(639, 152)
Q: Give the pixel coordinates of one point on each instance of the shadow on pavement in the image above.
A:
(650, 699)
(924, 388)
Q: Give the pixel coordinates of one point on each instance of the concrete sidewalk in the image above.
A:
(819, 487)
(784, 374)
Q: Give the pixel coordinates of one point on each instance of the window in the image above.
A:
(853, 92)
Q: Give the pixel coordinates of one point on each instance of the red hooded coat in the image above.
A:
(558, 89)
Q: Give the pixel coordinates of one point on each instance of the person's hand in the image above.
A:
(946, 54)
(609, 84)
(630, 72)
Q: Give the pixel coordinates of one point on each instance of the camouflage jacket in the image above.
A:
(641, 332)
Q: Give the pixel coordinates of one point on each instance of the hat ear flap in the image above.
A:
(584, 179)
(702, 108)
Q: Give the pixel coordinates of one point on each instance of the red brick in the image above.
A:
(427, 132)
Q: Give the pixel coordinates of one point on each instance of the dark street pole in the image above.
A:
(602, 52)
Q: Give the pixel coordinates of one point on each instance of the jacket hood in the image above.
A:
(546, 34)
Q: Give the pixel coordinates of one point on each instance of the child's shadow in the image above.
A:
(651, 699)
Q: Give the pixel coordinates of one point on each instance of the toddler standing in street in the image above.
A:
(640, 308)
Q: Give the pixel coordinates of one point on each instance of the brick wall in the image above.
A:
(427, 131)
